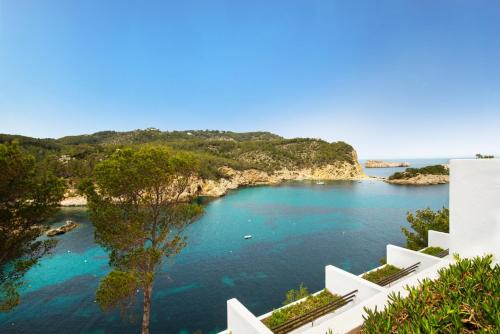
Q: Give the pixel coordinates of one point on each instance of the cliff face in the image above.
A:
(233, 179)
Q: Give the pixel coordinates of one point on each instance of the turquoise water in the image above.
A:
(297, 229)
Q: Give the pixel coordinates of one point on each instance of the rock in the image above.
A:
(74, 201)
(68, 226)
(384, 164)
(421, 179)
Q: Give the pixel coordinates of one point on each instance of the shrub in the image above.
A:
(432, 250)
(377, 275)
(464, 299)
(423, 221)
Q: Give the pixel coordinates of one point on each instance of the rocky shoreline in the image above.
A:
(384, 164)
(421, 180)
(233, 179)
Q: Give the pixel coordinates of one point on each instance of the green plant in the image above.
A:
(423, 221)
(294, 295)
(312, 302)
(464, 299)
(432, 250)
(377, 275)
(29, 194)
(139, 213)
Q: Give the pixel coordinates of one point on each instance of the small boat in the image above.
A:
(248, 236)
(320, 182)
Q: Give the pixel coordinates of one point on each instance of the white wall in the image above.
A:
(438, 239)
(402, 258)
(475, 207)
(241, 321)
(341, 282)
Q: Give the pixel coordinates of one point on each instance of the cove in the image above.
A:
(297, 228)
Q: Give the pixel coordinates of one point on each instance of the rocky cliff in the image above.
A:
(421, 180)
(233, 179)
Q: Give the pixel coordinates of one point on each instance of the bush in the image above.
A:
(432, 250)
(377, 275)
(423, 221)
(464, 299)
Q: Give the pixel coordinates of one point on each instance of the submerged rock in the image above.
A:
(68, 226)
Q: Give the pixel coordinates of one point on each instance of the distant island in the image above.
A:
(228, 159)
(429, 175)
(384, 164)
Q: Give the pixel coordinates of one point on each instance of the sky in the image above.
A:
(394, 78)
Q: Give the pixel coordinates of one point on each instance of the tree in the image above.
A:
(423, 221)
(138, 203)
(28, 196)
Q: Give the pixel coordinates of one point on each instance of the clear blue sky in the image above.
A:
(394, 78)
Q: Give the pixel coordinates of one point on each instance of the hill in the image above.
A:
(224, 154)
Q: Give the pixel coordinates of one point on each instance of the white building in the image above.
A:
(474, 230)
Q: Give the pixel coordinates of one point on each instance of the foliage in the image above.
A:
(75, 157)
(428, 170)
(377, 275)
(481, 156)
(137, 206)
(423, 221)
(28, 196)
(432, 250)
(464, 299)
(294, 295)
(312, 302)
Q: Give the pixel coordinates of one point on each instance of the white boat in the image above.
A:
(248, 236)
(320, 182)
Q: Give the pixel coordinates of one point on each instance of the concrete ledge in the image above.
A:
(241, 321)
(403, 257)
(438, 239)
(352, 318)
(341, 282)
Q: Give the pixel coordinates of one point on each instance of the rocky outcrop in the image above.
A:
(68, 226)
(384, 164)
(421, 180)
(233, 179)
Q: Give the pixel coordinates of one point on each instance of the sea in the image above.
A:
(297, 229)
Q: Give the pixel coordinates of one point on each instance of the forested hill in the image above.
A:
(75, 156)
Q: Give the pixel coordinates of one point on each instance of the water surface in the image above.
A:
(297, 229)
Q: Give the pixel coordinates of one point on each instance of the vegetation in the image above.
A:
(412, 172)
(432, 250)
(377, 275)
(312, 302)
(423, 221)
(28, 196)
(137, 208)
(294, 295)
(481, 156)
(75, 157)
(464, 299)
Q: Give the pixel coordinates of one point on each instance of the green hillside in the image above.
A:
(74, 156)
